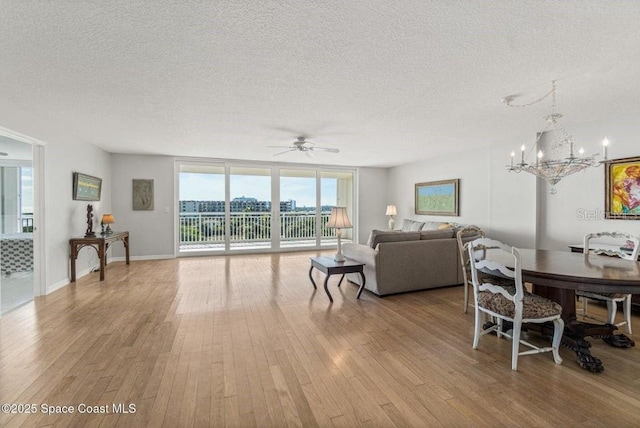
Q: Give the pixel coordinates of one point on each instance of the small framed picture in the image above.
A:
(142, 195)
(86, 187)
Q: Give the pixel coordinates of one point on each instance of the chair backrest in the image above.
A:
(464, 236)
(494, 259)
(613, 250)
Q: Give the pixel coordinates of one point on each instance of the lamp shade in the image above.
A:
(108, 219)
(391, 210)
(339, 218)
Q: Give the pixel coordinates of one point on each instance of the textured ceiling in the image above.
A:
(386, 82)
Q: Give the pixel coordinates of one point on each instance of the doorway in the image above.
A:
(17, 207)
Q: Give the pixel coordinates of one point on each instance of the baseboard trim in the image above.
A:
(140, 258)
(58, 285)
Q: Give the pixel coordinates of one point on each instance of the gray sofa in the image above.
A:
(408, 260)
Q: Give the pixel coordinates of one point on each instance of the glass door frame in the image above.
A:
(39, 232)
(275, 203)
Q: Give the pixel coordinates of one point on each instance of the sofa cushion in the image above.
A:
(432, 225)
(378, 236)
(436, 234)
(411, 225)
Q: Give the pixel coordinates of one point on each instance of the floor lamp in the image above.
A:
(339, 220)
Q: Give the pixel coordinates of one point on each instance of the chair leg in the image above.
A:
(466, 297)
(558, 329)
(585, 300)
(612, 308)
(476, 334)
(499, 331)
(515, 345)
(626, 308)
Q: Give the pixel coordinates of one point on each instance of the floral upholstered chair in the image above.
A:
(496, 260)
(629, 251)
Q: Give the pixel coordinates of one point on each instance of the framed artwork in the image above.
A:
(142, 195)
(437, 197)
(622, 189)
(86, 187)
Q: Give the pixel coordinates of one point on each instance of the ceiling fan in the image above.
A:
(305, 146)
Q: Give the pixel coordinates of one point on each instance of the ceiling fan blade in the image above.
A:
(290, 150)
(279, 147)
(310, 154)
(325, 149)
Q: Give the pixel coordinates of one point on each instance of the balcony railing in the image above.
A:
(208, 229)
(26, 222)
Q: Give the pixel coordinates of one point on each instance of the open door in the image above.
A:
(17, 281)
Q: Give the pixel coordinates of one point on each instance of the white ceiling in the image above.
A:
(386, 82)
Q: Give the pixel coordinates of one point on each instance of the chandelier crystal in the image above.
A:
(552, 164)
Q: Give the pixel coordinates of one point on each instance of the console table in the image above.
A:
(101, 244)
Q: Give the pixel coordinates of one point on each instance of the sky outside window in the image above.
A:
(210, 187)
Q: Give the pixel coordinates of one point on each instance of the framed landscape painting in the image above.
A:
(86, 187)
(437, 197)
(622, 189)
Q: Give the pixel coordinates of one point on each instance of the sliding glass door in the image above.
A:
(250, 208)
(230, 208)
(201, 208)
(336, 188)
(298, 208)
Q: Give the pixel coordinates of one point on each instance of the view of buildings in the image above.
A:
(243, 204)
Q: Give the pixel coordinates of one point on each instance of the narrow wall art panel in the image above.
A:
(142, 195)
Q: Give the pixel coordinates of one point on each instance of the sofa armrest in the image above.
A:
(359, 252)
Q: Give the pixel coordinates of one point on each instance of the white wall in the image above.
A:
(513, 203)
(372, 201)
(151, 233)
(65, 218)
(490, 197)
(470, 167)
(520, 209)
(578, 207)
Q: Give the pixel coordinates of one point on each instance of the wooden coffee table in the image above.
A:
(331, 267)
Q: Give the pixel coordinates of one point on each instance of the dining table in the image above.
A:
(557, 275)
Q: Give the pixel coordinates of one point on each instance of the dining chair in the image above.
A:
(513, 304)
(612, 299)
(464, 236)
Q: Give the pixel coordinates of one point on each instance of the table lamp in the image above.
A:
(339, 220)
(107, 219)
(391, 211)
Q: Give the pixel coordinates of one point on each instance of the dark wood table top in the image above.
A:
(329, 262)
(577, 271)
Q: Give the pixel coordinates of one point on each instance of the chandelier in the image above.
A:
(552, 164)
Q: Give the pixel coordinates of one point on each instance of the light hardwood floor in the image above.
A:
(245, 341)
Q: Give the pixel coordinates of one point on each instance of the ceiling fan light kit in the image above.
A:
(305, 146)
